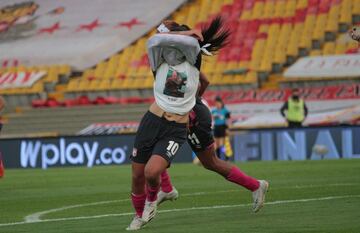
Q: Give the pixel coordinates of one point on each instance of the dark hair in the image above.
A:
(174, 26)
(215, 34)
(218, 99)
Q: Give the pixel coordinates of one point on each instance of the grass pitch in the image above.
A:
(308, 196)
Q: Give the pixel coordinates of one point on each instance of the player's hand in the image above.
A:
(197, 34)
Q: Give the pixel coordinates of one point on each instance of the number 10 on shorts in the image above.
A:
(172, 147)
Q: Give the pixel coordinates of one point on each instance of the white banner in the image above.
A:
(80, 33)
(269, 118)
(19, 79)
(340, 66)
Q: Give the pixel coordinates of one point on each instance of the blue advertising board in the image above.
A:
(297, 144)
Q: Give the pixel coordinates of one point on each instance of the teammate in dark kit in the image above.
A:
(202, 142)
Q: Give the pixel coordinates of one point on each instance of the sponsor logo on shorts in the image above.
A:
(134, 152)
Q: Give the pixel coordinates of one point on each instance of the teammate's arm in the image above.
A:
(204, 83)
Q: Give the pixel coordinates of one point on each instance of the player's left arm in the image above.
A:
(204, 83)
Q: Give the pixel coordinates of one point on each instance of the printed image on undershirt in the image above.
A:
(175, 84)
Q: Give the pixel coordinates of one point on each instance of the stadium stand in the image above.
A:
(68, 121)
(259, 28)
(267, 37)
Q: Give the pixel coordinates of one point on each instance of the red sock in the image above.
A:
(240, 178)
(138, 202)
(152, 193)
(166, 185)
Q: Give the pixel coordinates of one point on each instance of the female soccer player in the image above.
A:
(201, 140)
(175, 58)
(220, 115)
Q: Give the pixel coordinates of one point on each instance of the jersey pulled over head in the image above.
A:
(175, 59)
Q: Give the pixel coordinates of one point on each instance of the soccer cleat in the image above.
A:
(259, 195)
(136, 224)
(163, 196)
(149, 210)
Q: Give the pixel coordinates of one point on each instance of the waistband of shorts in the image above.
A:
(165, 121)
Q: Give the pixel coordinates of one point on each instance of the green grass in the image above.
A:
(23, 192)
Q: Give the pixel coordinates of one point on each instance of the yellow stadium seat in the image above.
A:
(315, 52)
(340, 48)
(64, 69)
(345, 12)
(73, 84)
(231, 65)
(93, 85)
(265, 66)
(356, 8)
(116, 84)
(83, 85)
(279, 8)
(269, 9)
(258, 10)
(246, 15)
(329, 48)
(104, 84)
(220, 67)
(251, 77)
(301, 4)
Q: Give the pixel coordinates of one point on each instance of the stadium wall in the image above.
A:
(72, 151)
(298, 144)
(275, 144)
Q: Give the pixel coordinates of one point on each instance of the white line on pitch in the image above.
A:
(184, 209)
(37, 216)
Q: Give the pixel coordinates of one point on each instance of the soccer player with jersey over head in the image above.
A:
(175, 59)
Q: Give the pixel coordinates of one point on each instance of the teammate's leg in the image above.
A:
(167, 190)
(166, 185)
(230, 172)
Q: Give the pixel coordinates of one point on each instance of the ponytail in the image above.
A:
(215, 35)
